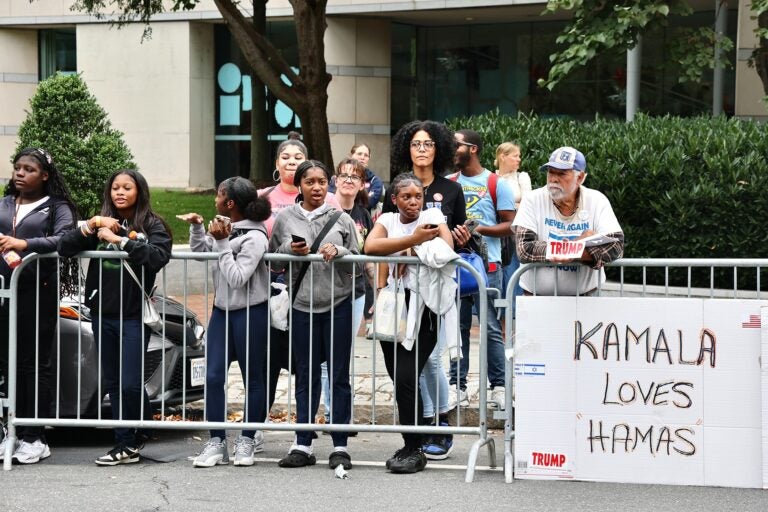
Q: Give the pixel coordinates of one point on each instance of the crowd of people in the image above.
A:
(441, 200)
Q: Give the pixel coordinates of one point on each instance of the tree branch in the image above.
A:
(260, 54)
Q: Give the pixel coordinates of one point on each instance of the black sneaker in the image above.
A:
(399, 453)
(412, 460)
(340, 458)
(120, 454)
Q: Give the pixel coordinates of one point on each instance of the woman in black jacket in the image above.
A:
(35, 211)
(127, 223)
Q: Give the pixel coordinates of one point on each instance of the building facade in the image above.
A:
(182, 98)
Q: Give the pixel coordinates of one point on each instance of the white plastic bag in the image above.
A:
(152, 318)
(279, 304)
(390, 314)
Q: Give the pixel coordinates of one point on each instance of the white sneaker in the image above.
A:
(2, 447)
(30, 453)
(462, 398)
(258, 442)
(244, 448)
(214, 452)
(497, 398)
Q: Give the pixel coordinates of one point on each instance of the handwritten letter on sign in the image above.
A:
(641, 390)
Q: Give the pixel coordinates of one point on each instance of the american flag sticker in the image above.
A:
(751, 322)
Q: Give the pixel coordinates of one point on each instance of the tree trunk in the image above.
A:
(260, 157)
(309, 17)
(760, 55)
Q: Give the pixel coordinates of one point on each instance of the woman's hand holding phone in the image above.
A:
(299, 245)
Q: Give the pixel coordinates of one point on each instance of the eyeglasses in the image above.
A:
(349, 177)
(461, 142)
(427, 144)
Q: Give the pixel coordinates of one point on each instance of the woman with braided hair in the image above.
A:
(36, 210)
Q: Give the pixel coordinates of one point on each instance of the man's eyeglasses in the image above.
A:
(349, 177)
(427, 144)
(461, 142)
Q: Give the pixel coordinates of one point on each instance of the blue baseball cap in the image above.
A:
(566, 158)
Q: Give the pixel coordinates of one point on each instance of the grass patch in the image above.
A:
(169, 203)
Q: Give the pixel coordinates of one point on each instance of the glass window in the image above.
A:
(235, 106)
(58, 51)
(452, 71)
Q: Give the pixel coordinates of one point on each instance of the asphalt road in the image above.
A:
(69, 481)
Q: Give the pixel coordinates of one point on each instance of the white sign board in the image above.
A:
(640, 390)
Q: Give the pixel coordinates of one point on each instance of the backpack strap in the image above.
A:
(493, 185)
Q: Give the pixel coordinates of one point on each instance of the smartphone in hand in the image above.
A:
(298, 240)
(430, 226)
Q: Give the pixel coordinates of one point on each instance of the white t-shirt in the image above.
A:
(538, 213)
(24, 209)
(396, 229)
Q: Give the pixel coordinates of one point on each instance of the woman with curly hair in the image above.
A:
(36, 210)
(427, 148)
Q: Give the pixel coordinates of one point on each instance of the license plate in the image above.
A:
(197, 372)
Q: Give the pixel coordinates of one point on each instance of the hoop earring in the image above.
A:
(276, 176)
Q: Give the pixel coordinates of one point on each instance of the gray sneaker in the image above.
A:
(214, 452)
(258, 442)
(244, 448)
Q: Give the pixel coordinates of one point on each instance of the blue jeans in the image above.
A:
(358, 307)
(508, 271)
(433, 384)
(336, 350)
(243, 331)
(495, 344)
(128, 391)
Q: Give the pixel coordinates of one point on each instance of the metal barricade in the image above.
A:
(662, 286)
(171, 361)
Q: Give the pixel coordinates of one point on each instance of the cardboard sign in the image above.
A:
(640, 390)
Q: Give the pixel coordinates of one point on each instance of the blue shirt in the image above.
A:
(480, 205)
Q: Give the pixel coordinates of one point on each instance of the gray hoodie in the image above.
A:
(319, 278)
(241, 277)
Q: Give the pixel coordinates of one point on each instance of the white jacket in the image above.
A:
(437, 291)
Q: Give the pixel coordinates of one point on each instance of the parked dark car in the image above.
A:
(172, 375)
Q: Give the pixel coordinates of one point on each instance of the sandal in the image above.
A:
(340, 458)
(297, 459)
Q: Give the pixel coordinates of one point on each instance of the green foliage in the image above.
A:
(692, 50)
(680, 187)
(597, 26)
(66, 121)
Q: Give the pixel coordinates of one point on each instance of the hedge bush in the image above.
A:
(680, 187)
(66, 120)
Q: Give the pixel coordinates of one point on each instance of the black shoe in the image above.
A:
(340, 458)
(120, 454)
(399, 453)
(410, 461)
(297, 459)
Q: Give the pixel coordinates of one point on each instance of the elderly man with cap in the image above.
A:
(565, 210)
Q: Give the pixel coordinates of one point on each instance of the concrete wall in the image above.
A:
(749, 88)
(357, 53)
(18, 81)
(158, 92)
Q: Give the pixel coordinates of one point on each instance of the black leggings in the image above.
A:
(29, 323)
(404, 367)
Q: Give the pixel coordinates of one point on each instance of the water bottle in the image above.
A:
(12, 258)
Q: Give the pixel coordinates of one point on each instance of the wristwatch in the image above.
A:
(123, 241)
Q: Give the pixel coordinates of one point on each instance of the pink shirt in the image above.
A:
(280, 199)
